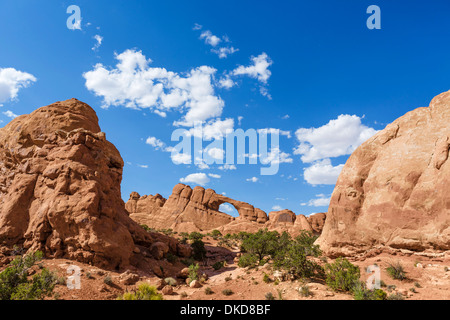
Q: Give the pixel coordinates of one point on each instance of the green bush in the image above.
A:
(199, 251)
(341, 274)
(305, 291)
(261, 243)
(14, 282)
(170, 281)
(171, 257)
(247, 260)
(218, 265)
(195, 236)
(208, 291)
(193, 272)
(227, 292)
(360, 292)
(292, 256)
(269, 296)
(144, 292)
(215, 234)
(266, 278)
(396, 271)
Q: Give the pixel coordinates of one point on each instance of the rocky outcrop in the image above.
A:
(197, 209)
(394, 190)
(60, 189)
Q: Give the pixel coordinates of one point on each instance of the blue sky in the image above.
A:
(311, 69)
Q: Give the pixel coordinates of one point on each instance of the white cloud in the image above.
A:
(226, 83)
(280, 199)
(134, 84)
(253, 179)
(225, 207)
(322, 172)
(10, 114)
(224, 52)
(216, 153)
(258, 70)
(277, 208)
(320, 201)
(154, 142)
(275, 131)
(240, 119)
(197, 27)
(11, 81)
(276, 156)
(227, 167)
(213, 129)
(338, 137)
(142, 166)
(181, 158)
(210, 39)
(286, 116)
(215, 176)
(197, 178)
(98, 39)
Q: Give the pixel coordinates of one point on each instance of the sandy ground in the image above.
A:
(427, 278)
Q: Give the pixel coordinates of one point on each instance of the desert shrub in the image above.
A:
(14, 282)
(195, 236)
(184, 236)
(396, 271)
(144, 292)
(145, 227)
(193, 271)
(261, 243)
(108, 280)
(188, 261)
(227, 292)
(199, 251)
(215, 234)
(417, 285)
(170, 281)
(266, 278)
(184, 294)
(171, 257)
(208, 291)
(247, 260)
(360, 292)
(218, 265)
(396, 296)
(305, 291)
(228, 278)
(292, 256)
(341, 274)
(269, 296)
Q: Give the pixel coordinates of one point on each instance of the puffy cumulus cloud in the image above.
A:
(226, 83)
(210, 38)
(11, 81)
(154, 142)
(10, 114)
(224, 52)
(322, 172)
(225, 207)
(277, 208)
(197, 178)
(216, 153)
(275, 156)
(215, 176)
(321, 200)
(181, 158)
(98, 43)
(213, 129)
(338, 137)
(252, 179)
(258, 70)
(134, 84)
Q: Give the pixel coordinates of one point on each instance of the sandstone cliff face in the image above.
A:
(394, 189)
(197, 209)
(60, 188)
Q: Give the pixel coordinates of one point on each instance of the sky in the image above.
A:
(312, 72)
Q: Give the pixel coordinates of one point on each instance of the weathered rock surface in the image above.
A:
(197, 209)
(394, 190)
(60, 189)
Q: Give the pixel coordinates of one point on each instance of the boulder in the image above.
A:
(394, 190)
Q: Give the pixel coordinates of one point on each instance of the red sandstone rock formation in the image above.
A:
(197, 209)
(60, 189)
(394, 189)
